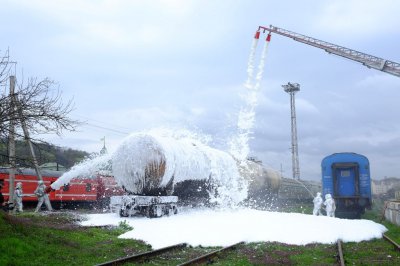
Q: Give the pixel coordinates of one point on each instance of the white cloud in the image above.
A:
(302, 105)
(122, 24)
(359, 17)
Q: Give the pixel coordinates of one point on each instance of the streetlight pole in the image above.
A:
(292, 88)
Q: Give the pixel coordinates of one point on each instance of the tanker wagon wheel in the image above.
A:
(170, 210)
(156, 211)
(123, 213)
(147, 211)
(151, 211)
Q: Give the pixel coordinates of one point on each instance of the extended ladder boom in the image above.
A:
(369, 61)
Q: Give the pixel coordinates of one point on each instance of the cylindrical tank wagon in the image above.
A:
(147, 165)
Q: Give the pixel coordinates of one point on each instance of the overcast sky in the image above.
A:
(136, 65)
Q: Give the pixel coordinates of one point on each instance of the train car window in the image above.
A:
(66, 187)
(88, 187)
(345, 173)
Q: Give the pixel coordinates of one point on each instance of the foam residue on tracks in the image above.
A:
(225, 227)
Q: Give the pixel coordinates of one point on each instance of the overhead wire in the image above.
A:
(95, 120)
(109, 129)
(86, 123)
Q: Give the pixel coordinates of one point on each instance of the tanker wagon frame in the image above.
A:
(149, 206)
(346, 176)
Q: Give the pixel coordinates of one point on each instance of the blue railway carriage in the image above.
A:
(346, 176)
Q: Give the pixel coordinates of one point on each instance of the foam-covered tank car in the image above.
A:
(154, 166)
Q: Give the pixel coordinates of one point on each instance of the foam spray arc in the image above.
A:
(239, 145)
(87, 168)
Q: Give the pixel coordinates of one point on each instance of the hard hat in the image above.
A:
(19, 184)
(40, 182)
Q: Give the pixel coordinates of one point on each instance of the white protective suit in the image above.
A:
(330, 205)
(317, 204)
(42, 197)
(18, 194)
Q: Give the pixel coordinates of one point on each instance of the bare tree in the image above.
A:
(39, 103)
(42, 107)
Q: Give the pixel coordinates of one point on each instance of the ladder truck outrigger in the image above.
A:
(367, 60)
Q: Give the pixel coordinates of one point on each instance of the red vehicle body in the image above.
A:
(93, 190)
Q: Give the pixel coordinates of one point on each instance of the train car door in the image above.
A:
(346, 179)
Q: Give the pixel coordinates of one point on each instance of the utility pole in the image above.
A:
(16, 104)
(292, 88)
(11, 143)
(28, 140)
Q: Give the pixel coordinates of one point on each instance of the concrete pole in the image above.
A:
(11, 143)
(28, 140)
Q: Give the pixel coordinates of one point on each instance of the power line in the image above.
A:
(102, 122)
(109, 129)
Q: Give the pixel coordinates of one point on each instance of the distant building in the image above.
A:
(383, 186)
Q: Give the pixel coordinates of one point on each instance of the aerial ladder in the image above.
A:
(367, 60)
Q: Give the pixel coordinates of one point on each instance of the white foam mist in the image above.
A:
(175, 160)
(239, 144)
(86, 169)
(250, 64)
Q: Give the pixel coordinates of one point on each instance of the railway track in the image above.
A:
(208, 258)
(340, 251)
(142, 256)
(154, 254)
(339, 244)
(397, 246)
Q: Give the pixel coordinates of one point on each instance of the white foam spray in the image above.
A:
(86, 169)
(239, 144)
(177, 160)
(250, 64)
(187, 157)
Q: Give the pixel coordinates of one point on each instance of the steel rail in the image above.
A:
(142, 256)
(207, 257)
(397, 246)
(340, 250)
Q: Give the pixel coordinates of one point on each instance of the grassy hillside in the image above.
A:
(45, 153)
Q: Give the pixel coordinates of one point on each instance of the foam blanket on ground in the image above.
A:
(225, 227)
